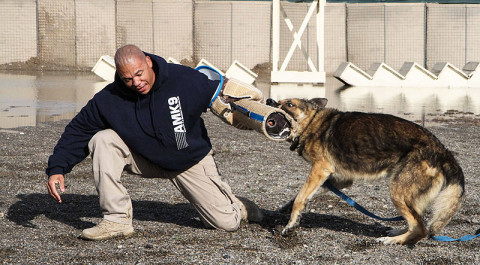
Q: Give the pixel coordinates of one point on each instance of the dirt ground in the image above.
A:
(34, 229)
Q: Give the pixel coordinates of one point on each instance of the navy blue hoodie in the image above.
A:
(163, 126)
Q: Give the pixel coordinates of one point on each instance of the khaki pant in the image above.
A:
(201, 184)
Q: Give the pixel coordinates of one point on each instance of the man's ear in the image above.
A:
(149, 61)
(320, 102)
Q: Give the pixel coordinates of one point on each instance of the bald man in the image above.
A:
(148, 123)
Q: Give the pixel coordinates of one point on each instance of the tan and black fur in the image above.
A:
(346, 146)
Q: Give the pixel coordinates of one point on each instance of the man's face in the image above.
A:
(138, 75)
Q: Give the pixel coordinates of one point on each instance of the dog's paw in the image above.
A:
(388, 240)
(385, 240)
(287, 231)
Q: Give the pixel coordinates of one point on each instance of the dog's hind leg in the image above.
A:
(416, 229)
(318, 174)
(412, 190)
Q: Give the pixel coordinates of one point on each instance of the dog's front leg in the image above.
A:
(318, 175)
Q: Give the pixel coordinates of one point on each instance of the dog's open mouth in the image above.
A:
(277, 126)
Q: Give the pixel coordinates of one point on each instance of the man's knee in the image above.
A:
(231, 224)
(226, 219)
(101, 138)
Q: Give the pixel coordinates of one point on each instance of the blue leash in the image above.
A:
(449, 239)
(342, 195)
(356, 205)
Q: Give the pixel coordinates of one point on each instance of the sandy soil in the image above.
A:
(34, 229)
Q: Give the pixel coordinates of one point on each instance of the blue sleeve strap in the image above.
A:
(247, 112)
(212, 74)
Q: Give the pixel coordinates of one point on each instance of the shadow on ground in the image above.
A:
(76, 207)
(275, 221)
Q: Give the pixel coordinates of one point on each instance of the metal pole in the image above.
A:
(38, 28)
(321, 35)
(425, 36)
(466, 35)
(153, 29)
(75, 31)
(275, 34)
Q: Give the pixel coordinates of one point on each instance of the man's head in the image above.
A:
(135, 69)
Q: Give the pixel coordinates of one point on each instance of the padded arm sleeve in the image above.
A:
(242, 105)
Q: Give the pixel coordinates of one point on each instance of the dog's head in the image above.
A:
(297, 108)
(301, 111)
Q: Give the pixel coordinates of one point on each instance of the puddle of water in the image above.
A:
(27, 99)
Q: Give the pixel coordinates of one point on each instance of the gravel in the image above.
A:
(35, 229)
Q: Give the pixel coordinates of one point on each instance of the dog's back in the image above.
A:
(372, 143)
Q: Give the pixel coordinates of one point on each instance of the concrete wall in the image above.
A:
(443, 19)
(95, 32)
(473, 33)
(173, 41)
(18, 30)
(228, 31)
(392, 33)
(251, 33)
(404, 34)
(214, 44)
(78, 32)
(56, 31)
(335, 37)
(365, 34)
(135, 23)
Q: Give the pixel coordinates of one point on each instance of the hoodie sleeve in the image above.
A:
(72, 147)
(206, 89)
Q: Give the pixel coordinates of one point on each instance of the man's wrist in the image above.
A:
(55, 171)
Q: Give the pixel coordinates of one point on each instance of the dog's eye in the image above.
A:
(290, 105)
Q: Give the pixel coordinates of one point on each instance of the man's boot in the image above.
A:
(250, 211)
(107, 229)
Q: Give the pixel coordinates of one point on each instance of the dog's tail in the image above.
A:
(449, 199)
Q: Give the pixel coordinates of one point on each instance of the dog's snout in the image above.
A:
(271, 102)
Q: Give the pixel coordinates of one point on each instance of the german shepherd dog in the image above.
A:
(346, 146)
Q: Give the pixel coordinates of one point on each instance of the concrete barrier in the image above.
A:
(443, 74)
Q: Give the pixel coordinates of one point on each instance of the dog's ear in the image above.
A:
(320, 102)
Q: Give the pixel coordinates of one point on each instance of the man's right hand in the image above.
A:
(53, 180)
